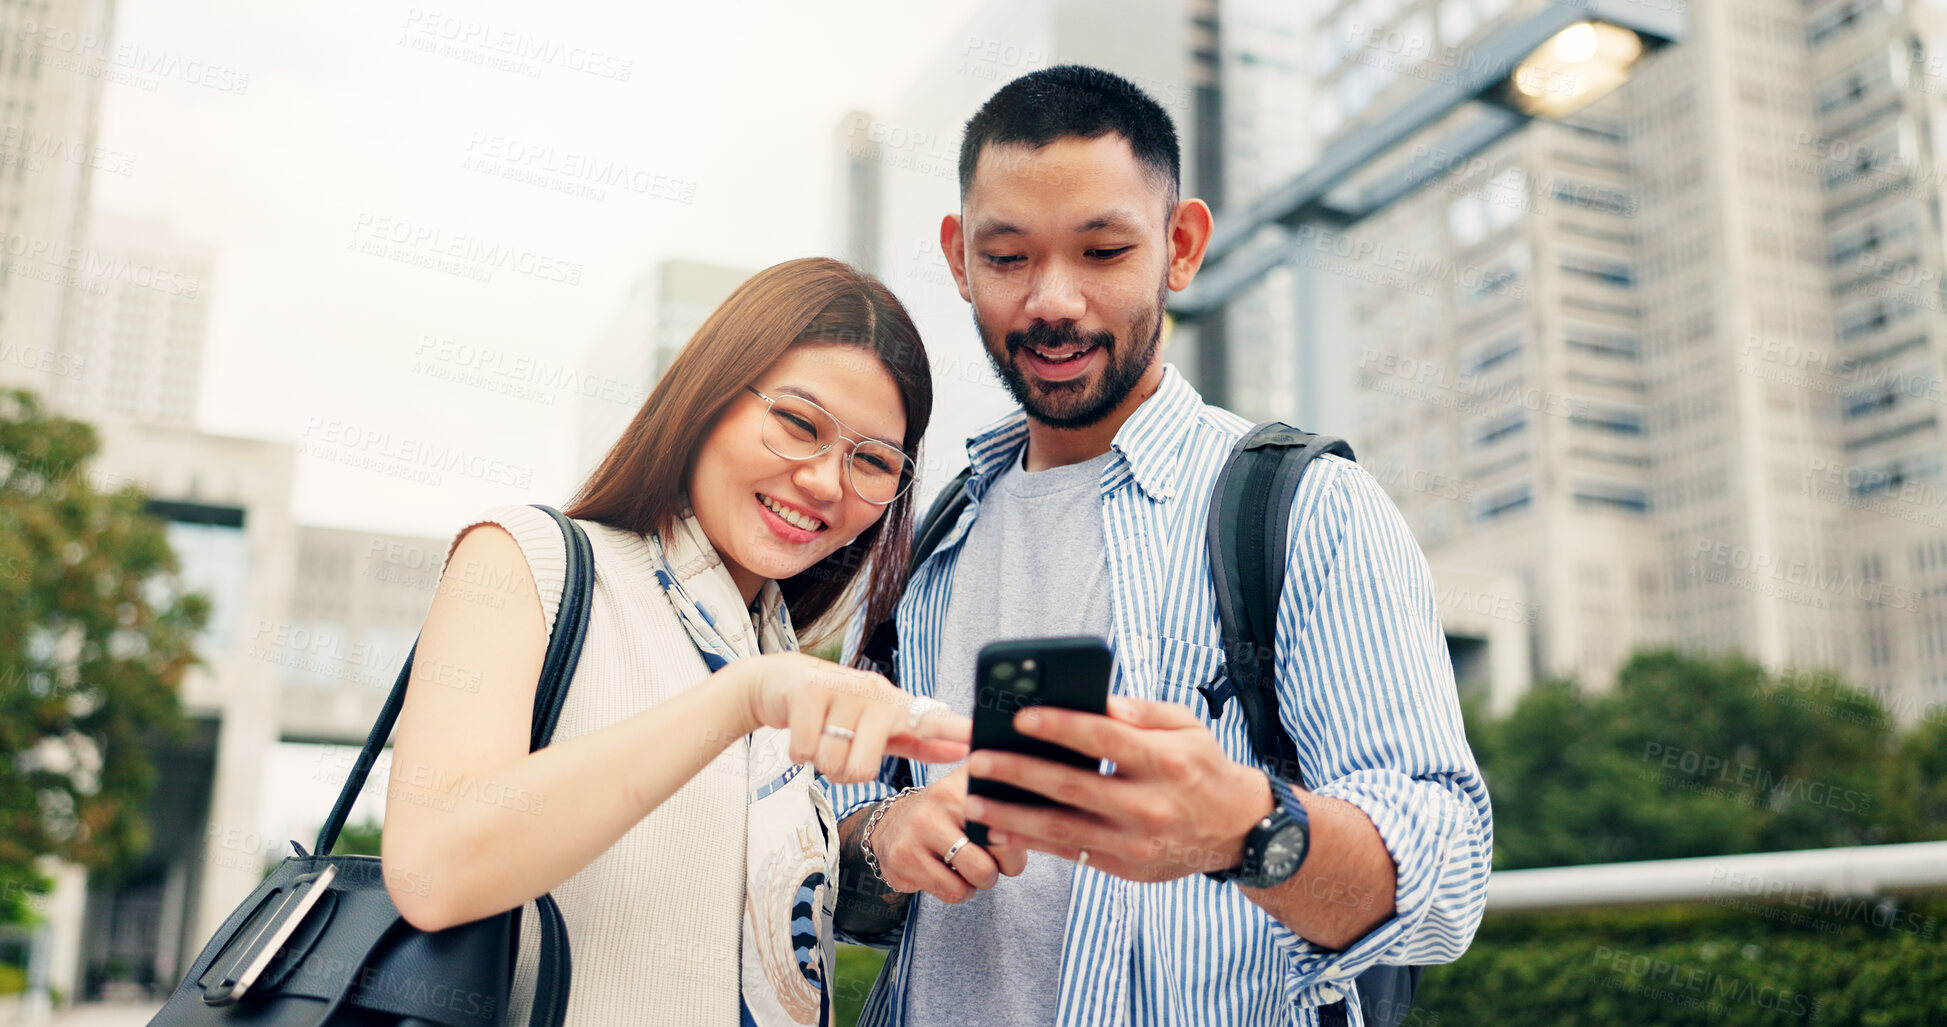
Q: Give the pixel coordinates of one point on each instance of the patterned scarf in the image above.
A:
(791, 885)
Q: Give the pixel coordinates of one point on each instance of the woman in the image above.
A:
(669, 817)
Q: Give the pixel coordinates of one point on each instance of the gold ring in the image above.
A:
(954, 850)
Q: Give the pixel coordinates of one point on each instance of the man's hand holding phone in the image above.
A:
(915, 834)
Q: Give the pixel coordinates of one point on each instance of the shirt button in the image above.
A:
(1327, 996)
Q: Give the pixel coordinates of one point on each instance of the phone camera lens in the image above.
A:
(1024, 685)
(1003, 671)
(1028, 666)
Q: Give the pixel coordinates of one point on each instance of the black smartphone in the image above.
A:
(1071, 673)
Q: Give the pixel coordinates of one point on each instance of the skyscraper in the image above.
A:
(51, 57)
(137, 344)
(1676, 361)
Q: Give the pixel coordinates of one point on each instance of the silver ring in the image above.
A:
(845, 734)
(954, 850)
(922, 705)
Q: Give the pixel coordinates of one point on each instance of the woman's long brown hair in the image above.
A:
(641, 484)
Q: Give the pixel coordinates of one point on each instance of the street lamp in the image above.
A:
(1550, 64)
(1580, 65)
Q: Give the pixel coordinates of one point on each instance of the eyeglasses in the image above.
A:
(798, 429)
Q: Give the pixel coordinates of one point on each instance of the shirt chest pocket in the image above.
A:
(1183, 669)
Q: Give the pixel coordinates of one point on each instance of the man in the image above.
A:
(1087, 516)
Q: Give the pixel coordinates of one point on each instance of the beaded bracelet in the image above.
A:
(865, 836)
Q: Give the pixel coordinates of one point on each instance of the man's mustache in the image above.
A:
(1042, 335)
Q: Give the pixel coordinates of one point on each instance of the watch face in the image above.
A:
(1285, 851)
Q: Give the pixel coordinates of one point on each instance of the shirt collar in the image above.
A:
(1147, 442)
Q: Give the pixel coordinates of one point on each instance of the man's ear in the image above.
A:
(956, 254)
(1190, 228)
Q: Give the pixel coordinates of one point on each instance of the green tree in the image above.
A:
(1917, 773)
(360, 839)
(95, 635)
(1703, 756)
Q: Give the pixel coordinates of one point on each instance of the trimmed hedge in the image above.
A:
(1827, 961)
(1823, 961)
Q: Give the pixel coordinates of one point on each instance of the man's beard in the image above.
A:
(1072, 403)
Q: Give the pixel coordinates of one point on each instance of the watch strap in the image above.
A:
(1285, 808)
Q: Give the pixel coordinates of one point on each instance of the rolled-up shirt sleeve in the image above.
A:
(1366, 690)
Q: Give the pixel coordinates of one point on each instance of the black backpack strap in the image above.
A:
(1247, 542)
(940, 518)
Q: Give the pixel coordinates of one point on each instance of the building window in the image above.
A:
(1595, 197)
(1498, 277)
(1894, 474)
(1609, 417)
(1612, 344)
(1496, 205)
(1490, 354)
(214, 556)
(1867, 402)
(1837, 19)
(1495, 427)
(1502, 502)
(1607, 271)
(1870, 317)
(1599, 128)
(1612, 495)
(1871, 238)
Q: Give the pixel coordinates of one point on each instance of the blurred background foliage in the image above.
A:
(1687, 756)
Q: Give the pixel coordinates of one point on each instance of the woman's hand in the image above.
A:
(822, 702)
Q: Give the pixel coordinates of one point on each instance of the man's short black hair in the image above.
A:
(1073, 100)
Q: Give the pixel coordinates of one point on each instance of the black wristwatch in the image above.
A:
(1276, 846)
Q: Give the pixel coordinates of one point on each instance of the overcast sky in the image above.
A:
(332, 152)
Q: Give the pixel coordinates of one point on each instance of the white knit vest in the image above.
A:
(655, 922)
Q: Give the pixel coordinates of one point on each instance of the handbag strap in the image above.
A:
(557, 667)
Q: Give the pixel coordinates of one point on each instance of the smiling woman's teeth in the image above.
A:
(790, 516)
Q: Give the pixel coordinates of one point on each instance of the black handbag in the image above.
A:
(320, 943)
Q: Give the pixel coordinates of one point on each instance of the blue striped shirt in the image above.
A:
(1365, 689)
